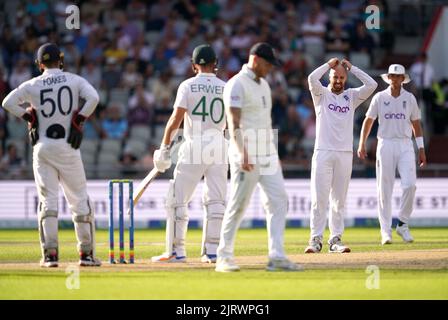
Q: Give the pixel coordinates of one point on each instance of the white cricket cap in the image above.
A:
(396, 69)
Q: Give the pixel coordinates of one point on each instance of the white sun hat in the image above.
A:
(396, 69)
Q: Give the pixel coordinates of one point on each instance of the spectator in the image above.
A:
(163, 88)
(20, 73)
(41, 25)
(141, 107)
(228, 63)
(313, 32)
(13, 164)
(112, 74)
(209, 10)
(185, 8)
(37, 7)
(92, 73)
(141, 52)
(181, 63)
(72, 56)
(362, 41)
(130, 77)
(422, 74)
(114, 126)
(128, 161)
(338, 40)
(439, 115)
(159, 61)
(295, 69)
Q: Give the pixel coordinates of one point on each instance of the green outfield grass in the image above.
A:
(21, 278)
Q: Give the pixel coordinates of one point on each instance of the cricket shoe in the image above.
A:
(386, 240)
(169, 258)
(50, 259)
(283, 264)
(404, 232)
(88, 260)
(315, 245)
(336, 246)
(208, 258)
(226, 265)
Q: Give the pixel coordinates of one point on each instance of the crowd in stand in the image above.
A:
(135, 53)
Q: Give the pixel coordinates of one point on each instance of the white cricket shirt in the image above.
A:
(254, 99)
(394, 114)
(335, 112)
(201, 96)
(55, 95)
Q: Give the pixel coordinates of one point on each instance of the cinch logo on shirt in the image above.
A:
(397, 116)
(340, 109)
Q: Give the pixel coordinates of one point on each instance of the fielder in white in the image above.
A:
(203, 154)
(331, 166)
(253, 160)
(398, 116)
(55, 124)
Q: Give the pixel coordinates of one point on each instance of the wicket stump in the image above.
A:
(121, 226)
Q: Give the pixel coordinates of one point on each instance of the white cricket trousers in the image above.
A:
(54, 163)
(59, 163)
(274, 199)
(193, 164)
(393, 154)
(330, 176)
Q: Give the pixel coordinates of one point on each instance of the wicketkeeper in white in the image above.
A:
(203, 154)
(253, 160)
(398, 116)
(55, 124)
(331, 165)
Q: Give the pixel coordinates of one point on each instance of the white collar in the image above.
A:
(248, 71)
(205, 74)
(389, 91)
(51, 71)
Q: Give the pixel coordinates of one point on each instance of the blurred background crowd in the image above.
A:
(135, 53)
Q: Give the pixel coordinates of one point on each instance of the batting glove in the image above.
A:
(162, 158)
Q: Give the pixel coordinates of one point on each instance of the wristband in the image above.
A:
(419, 141)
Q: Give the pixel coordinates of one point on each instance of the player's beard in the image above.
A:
(337, 88)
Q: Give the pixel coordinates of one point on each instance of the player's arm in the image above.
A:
(314, 83)
(369, 84)
(418, 134)
(371, 115)
(234, 116)
(418, 131)
(233, 97)
(90, 95)
(162, 157)
(173, 125)
(14, 99)
(12, 103)
(365, 131)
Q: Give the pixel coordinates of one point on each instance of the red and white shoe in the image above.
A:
(336, 246)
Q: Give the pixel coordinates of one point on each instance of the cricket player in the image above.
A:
(55, 123)
(253, 160)
(203, 154)
(398, 116)
(331, 165)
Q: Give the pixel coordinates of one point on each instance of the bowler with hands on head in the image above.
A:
(398, 117)
(331, 165)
